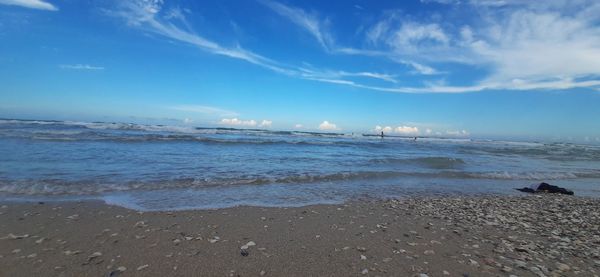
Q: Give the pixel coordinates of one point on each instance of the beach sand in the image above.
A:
(534, 235)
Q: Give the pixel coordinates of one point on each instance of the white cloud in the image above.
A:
(307, 21)
(298, 126)
(386, 129)
(525, 45)
(538, 46)
(80, 66)
(327, 126)
(32, 4)
(203, 110)
(188, 121)
(384, 77)
(145, 15)
(266, 123)
(238, 122)
(148, 16)
(403, 130)
(458, 133)
(406, 130)
(311, 74)
(421, 68)
(413, 35)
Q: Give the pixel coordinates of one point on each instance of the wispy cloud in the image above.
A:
(409, 35)
(522, 48)
(527, 45)
(32, 4)
(312, 74)
(309, 22)
(207, 110)
(80, 67)
(148, 16)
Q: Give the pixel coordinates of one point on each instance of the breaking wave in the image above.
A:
(428, 162)
(91, 187)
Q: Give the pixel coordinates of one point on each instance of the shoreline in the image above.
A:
(532, 235)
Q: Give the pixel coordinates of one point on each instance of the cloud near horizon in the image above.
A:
(404, 130)
(246, 123)
(327, 126)
(238, 122)
(266, 124)
(207, 110)
(32, 4)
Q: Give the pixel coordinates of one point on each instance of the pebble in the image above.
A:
(562, 267)
(520, 264)
(363, 257)
(70, 252)
(364, 271)
(537, 271)
(92, 257)
(13, 236)
(248, 245)
(141, 267)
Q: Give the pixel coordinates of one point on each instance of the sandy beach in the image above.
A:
(541, 235)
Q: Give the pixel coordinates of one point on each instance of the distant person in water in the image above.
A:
(545, 187)
(381, 134)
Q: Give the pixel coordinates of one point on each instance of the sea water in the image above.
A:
(156, 167)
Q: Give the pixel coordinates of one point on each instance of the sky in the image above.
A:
(452, 68)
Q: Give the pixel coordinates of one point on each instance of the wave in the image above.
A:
(428, 162)
(555, 152)
(164, 128)
(206, 138)
(92, 187)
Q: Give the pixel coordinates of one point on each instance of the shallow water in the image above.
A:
(169, 167)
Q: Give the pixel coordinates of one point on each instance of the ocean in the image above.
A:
(157, 167)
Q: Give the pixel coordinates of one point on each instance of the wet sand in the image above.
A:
(533, 235)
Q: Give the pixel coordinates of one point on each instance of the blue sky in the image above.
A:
(487, 68)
